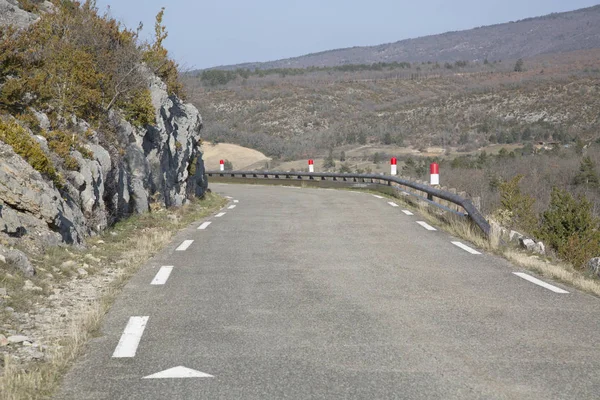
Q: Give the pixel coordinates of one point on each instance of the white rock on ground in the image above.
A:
(594, 266)
(18, 339)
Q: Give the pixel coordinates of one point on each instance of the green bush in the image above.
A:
(27, 147)
(139, 111)
(516, 208)
(569, 227)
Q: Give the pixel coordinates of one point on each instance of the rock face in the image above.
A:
(155, 166)
(149, 164)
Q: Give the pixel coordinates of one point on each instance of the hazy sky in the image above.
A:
(204, 34)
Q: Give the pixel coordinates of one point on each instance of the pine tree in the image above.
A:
(587, 174)
(519, 65)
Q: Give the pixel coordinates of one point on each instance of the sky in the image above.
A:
(205, 34)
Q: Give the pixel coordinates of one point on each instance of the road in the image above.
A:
(321, 294)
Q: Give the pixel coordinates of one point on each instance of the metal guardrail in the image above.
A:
(471, 211)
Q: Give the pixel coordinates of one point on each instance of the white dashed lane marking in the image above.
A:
(184, 246)
(391, 203)
(231, 207)
(162, 276)
(465, 248)
(426, 226)
(130, 339)
(219, 215)
(204, 225)
(540, 283)
(379, 197)
(407, 212)
(236, 201)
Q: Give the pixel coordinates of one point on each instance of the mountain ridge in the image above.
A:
(552, 33)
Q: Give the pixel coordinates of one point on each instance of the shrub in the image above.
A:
(345, 168)
(569, 227)
(228, 165)
(157, 57)
(27, 147)
(516, 208)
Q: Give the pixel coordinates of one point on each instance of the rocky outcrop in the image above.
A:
(157, 163)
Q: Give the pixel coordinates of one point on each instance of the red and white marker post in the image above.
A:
(222, 165)
(311, 166)
(434, 174)
(394, 166)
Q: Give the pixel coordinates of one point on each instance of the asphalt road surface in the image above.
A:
(321, 294)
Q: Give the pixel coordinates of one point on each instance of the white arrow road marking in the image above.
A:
(130, 339)
(426, 226)
(184, 246)
(236, 201)
(204, 225)
(540, 283)
(379, 197)
(407, 212)
(178, 372)
(219, 215)
(391, 203)
(231, 207)
(465, 248)
(162, 276)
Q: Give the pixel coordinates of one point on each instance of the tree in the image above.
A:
(519, 65)
(343, 156)
(157, 58)
(345, 168)
(569, 227)
(517, 208)
(587, 174)
(329, 161)
(387, 138)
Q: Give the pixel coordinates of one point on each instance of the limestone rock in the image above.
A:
(19, 260)
(30, 286)
(11, 14)
(531, 245)
(515, 236)
(17, 339)
(594, 266)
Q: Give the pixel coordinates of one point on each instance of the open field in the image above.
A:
(241, 157)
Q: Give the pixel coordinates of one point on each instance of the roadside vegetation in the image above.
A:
(88, 279)
(78, 64)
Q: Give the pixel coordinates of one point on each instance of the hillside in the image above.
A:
(554, 33)
(555, 98)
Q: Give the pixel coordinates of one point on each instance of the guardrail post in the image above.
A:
(434, 177)
(434, 174)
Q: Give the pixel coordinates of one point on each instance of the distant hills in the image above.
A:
(554, 33)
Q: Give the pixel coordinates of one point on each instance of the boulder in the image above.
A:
(594, 266)
(19, 260)
(515, 236)
(532, 245)
(11, 14)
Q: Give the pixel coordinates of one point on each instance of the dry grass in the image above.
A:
(548, 267)
(128, 245)
(241, 157)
